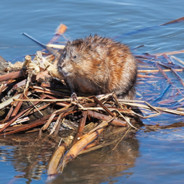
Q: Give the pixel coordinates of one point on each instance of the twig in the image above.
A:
(102, 125)
(81, 124)
(9, 114)
(148, 106)
(179, 60)
(60, 31)
(170, 53)
(180, 79)
(15, 118)
(57, 123)
(9, 101)
(174, 21)
(26, 127)
(65, 109)
(164, 92)
(166, 77)
(103, 117)
(104, 107)
(156, 71)
(12, 75)
(17, 108)
(118, 131)
(58, 154)
(120, 140)
(56, 46)
(48, 100)
(127, 119)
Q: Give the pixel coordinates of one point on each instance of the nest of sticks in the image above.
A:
(34, 98)
(37, 101)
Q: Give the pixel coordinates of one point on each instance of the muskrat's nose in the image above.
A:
(63, 64)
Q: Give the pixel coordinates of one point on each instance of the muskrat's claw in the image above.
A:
(74, 97)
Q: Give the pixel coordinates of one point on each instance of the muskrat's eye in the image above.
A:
(74, 57)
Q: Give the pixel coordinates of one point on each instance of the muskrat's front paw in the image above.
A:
(74, 97)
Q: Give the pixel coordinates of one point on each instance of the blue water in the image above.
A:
(159, 158)
(107, 18)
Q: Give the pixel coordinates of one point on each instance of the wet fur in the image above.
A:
(97, 65)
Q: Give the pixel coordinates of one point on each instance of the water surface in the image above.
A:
(154, 157)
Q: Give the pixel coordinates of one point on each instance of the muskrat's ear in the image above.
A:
(78, 43)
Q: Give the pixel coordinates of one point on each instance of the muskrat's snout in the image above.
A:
(64, 65)
(69, 59)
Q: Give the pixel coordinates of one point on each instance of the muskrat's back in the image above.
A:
(97, 65)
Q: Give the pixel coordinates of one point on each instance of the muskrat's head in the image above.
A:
(76, 59)
(70, 58)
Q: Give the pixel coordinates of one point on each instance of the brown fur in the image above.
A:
(97, 65)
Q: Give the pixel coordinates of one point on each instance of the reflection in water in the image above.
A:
(30, 157)
(101, 165)
(27, 155)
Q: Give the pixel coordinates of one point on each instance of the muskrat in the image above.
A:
(97, 65)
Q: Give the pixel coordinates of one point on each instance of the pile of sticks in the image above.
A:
(23, 96)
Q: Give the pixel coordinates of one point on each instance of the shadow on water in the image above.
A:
(30, 158)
